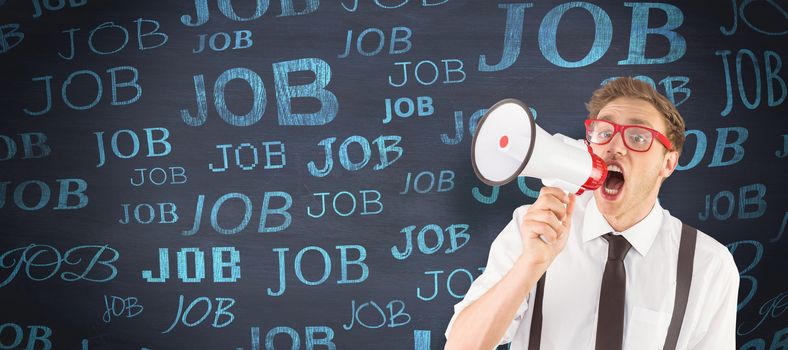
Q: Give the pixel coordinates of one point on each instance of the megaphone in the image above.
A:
(508, 144)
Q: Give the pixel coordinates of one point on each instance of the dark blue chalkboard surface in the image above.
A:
(295, 174)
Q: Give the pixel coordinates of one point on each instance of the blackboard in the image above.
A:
(196, 133)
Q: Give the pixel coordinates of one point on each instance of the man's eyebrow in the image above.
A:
(629, 121)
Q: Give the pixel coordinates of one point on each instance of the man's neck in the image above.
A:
(629, 218)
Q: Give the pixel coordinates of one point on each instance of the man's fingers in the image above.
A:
(539, 228)
(548, 217)
(570, 208)
(555, 192)
(552, 204)
(546, 220)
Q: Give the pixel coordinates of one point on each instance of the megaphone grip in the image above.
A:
(563, 185)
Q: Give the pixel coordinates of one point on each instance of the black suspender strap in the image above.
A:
(686, 260)
(683, 280)
(535, 337)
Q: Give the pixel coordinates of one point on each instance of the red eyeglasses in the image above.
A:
(637, 138)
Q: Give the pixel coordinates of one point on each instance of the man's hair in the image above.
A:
(630, 87)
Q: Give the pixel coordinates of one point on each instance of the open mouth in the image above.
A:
(614, 182)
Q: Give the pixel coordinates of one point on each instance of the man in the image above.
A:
(579, 243)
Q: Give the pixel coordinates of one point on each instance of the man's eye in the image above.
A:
(639, 139)
(604, 134)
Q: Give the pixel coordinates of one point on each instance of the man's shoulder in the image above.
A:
(709, 252)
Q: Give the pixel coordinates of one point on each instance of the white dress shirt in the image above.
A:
(572, 286)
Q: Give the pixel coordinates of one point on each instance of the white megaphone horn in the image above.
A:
(508, 144)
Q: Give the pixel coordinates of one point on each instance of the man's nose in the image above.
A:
(616, 145)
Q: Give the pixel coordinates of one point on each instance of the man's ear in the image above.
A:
(671, 161)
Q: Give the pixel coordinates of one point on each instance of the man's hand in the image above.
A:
(549, 217)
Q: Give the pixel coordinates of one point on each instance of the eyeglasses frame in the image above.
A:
(617, 128)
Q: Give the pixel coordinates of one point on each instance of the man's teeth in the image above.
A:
(609, 191)
(613, 167)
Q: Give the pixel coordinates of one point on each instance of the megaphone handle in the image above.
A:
(563, 185)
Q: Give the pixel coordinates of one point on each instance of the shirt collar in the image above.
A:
(641, 236)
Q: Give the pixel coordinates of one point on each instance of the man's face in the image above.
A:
(633, 177)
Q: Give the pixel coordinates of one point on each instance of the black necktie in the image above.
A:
(610, 319)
